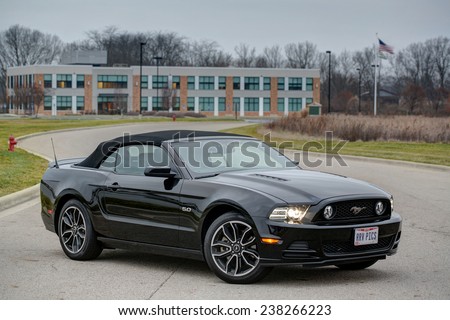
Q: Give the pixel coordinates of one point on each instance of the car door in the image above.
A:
(138, 207)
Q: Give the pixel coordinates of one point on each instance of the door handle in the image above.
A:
(113, 187)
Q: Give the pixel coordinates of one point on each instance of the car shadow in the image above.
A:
(284, 276)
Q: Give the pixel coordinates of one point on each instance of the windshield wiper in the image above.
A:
(208, 176)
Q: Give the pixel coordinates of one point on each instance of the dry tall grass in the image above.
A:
(366, 128)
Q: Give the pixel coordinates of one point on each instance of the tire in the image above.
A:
(75, 232)
(231, 250)
(357, 265)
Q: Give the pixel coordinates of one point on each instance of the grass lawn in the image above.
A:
(432, 153)
(19, 169)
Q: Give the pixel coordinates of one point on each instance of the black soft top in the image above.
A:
(106, 148)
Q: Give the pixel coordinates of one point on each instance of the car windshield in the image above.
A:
(211, 157)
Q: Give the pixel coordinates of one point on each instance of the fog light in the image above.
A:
(379, 208)
(328, 212)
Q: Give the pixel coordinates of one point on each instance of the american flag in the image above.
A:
(385, 48)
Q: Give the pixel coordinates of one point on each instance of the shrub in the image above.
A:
(366, 128)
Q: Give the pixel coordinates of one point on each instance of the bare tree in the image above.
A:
(441, 56)
(413, 96)
(301, 55)
(168, 45)
(273, 56)
(206, 54)
(37, 94)
(246, 56)
(20, 46)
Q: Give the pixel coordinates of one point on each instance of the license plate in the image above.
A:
(365, 236)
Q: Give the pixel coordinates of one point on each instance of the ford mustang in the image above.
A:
(227, 199)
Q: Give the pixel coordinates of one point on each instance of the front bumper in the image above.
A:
(313, 245)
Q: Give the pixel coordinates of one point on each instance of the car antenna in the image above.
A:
(54, 154)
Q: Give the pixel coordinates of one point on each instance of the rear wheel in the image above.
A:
(357, 265)
(231, 250)
(76, 235)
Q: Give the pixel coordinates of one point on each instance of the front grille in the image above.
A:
(347, 210)
(347, 247)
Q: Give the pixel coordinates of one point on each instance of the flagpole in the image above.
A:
(375, 84)
(379, 76)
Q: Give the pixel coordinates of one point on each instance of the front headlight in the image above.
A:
(392, 204)
(289, 214)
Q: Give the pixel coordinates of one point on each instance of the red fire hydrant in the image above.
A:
(174, 117)
(12, 143)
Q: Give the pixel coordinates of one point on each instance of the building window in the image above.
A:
(157, 103)
(222, 106)
(110, 104)
(191, 83)
(112, 82)
(175, 103)
(295, 104)
(80, 103)
(266, 83)
(222, 83)
(144, 103)
(160, 82)
(47, 103)
(206, 83)
(63, 102)
(251, 83)
(47, 80)
(237, 104)
(281, 83)
(295, 84)
(80, 80)
(251, 104)
(190, 103)
(309, 101)
(280, 106)
(64, 81)
(309, 84)
(236, 83)
(176, 82)
(144, 82)
(266, 105)
(206, 103)
(11, 82)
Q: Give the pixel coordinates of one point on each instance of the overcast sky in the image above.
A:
(335, 25)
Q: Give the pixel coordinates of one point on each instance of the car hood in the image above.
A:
(299, 186)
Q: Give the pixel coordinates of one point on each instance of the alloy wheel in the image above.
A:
(73, 229)
(233, 248)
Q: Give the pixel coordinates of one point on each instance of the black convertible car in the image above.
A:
(228, 199)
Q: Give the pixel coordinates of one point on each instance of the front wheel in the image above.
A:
(357, 265)
(76, 234)
(231, 250)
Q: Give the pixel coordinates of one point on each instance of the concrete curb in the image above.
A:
(18, 197)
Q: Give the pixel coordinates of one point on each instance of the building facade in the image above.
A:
(88, 89)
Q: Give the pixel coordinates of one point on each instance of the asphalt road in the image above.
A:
(33, 265)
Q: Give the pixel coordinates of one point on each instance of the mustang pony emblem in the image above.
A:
(356, 210)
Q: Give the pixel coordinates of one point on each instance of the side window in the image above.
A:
(132, 160)
(109, 164)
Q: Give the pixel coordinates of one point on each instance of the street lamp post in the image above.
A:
(359, 90)
(158, 59)
(329, 81)
(140, 79)
(375, 90)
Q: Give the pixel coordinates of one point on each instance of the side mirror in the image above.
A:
(160, 172)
